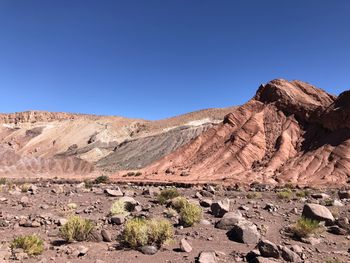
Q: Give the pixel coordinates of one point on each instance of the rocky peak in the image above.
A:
(294, 97)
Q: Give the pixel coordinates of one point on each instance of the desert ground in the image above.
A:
(251, 224)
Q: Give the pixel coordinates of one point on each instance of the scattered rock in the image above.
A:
(318, 212)
(207, 257)
(244, 232)
(220, 208)
(118, 219)
(114, 192)
(185, 246)
(229, 220)
(106, 236)
(268, 249)
(149, 250)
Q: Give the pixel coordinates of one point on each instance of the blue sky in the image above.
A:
(158, 58)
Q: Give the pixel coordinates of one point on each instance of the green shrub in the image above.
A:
(25, 188)
(305, 227)
(303, 193)
(103, 179)
(3, 181)
(88, 184)
(286, 194)
(328, 202)
(76, 229)
(190, 214)
(167, 194)
(140, 232)
(253, 195)
(31, 244)
(178, 203)
(119, 208)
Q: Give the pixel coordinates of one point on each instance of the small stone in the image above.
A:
(82, 251)
(149, 250)
(344, 194)
(118, 219)
(115, 193)
(289, 255)
(207, 257)
(185, 246)
(268, 249)
(205, 202)
(106, 236)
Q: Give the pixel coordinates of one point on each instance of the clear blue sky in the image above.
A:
(158, 58)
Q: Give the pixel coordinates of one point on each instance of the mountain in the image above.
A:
(289, 132)
(47, 144)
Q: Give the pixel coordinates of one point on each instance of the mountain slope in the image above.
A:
(289, 132)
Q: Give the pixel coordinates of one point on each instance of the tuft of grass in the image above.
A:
(178, 203)
(31, 244)
(328, 202)
(285, 194)
(303, 193)
(167, 194)
(305, 227)
(103, 179)
(140, 232)
(25, 188)
(3, 181)
(88, 184)
(118, 208)
(190, 214)
(253, 195)
(76, 229)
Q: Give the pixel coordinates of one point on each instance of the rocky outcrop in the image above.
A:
(289, 132)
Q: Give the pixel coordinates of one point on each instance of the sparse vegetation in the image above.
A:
(31, 244)
(76, 229)
(119, 208)
(254, 195)
(25, 188)
(285, 194)
(167, 194)
(178, 203)
(328, 202)
(3, 181)
(190, 214)
(103, 179)
(305, 227)
(303, 193)
(88, 184)
(140, 232)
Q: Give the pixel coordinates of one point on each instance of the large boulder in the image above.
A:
(317, 212)
(229, 220)
(220, 208)
(244, 232)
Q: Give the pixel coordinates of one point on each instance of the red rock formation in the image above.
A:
(289, 132)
